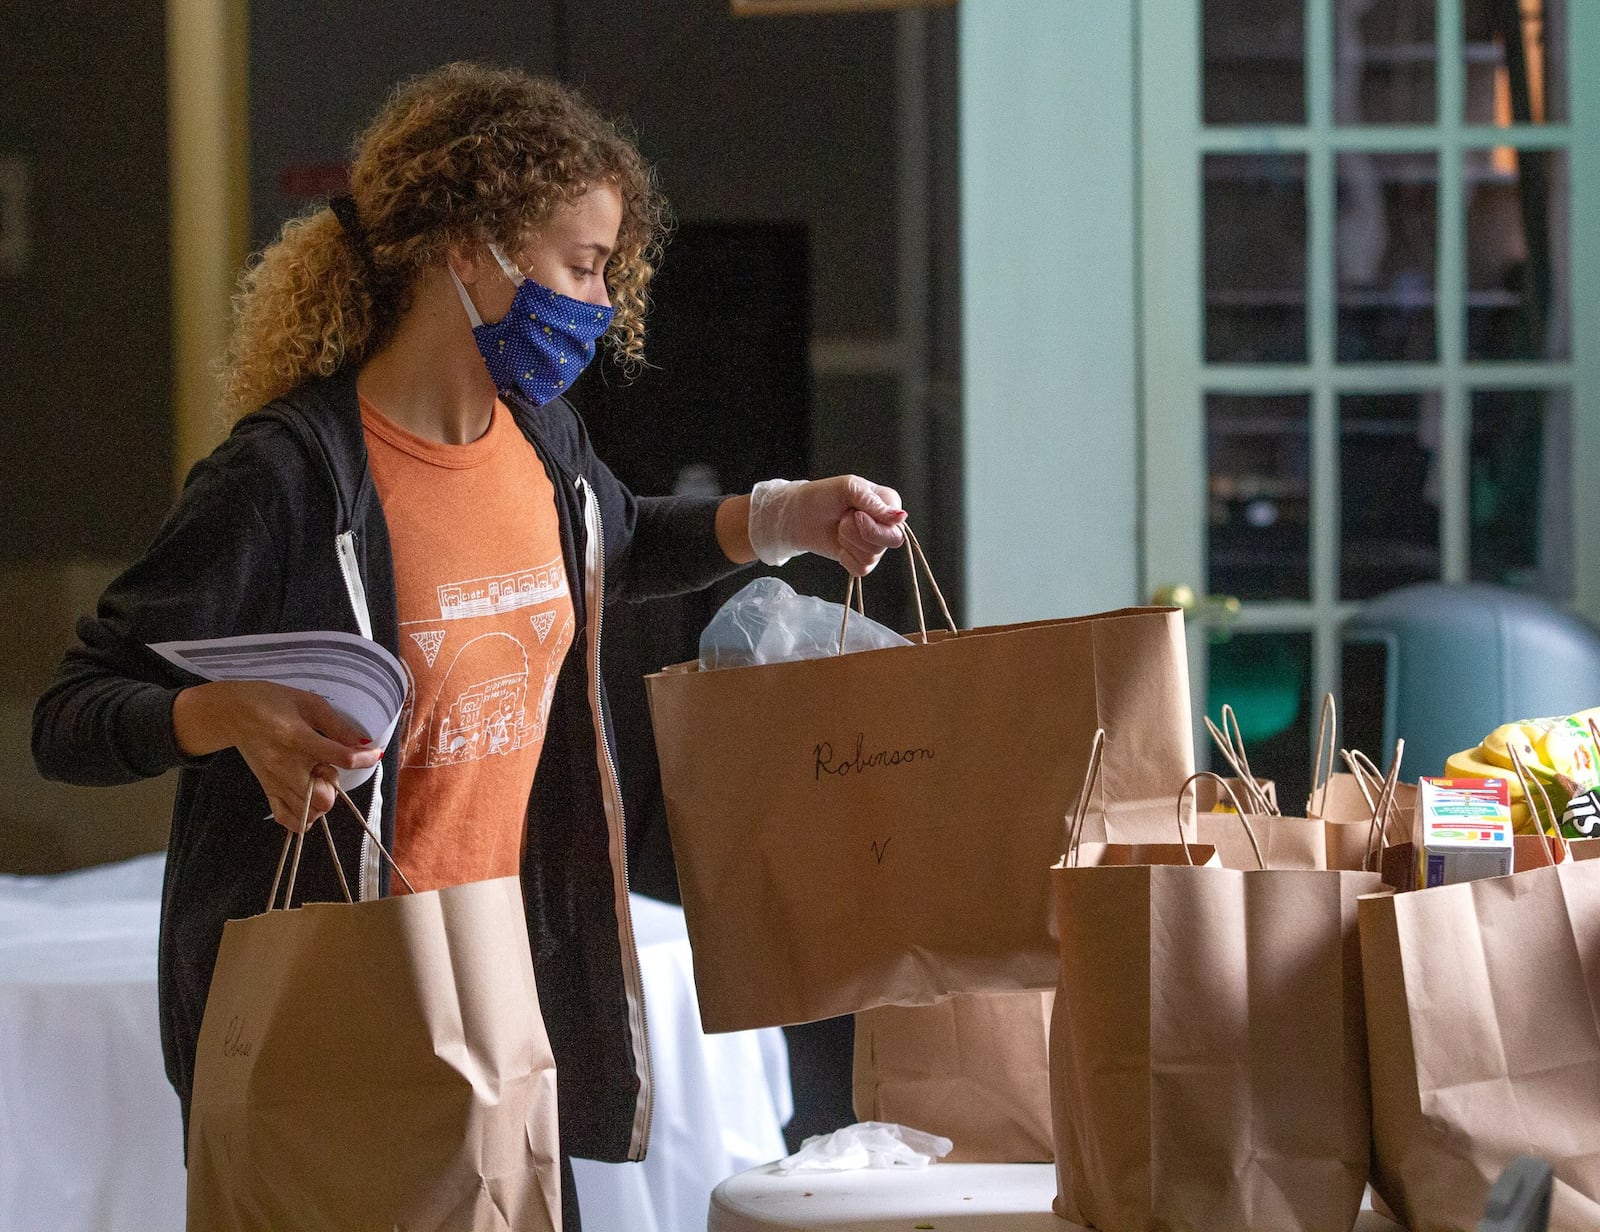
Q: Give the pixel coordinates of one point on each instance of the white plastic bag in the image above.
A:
(867, 1144)
(768, 622)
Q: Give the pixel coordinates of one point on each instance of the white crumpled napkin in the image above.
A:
(867, 1144)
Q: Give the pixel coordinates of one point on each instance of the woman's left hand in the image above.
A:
(846, 519)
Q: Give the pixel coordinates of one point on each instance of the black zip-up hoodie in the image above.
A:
(280, 529)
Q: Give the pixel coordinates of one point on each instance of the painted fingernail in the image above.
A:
(364, 740)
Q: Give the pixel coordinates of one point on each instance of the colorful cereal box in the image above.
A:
(1465, 828)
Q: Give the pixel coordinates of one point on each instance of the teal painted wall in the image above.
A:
(1049, 337)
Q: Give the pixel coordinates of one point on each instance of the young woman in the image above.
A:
(403, 465)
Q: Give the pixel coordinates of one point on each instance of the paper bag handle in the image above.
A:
(1363, 765)
(1327, 726)
(1238, 809)
(1091, 777)
(1374, 809)
(855, 592)
(1391, 786)
(856, 588)
(1366, 772)
(1360, 776)
(298, 842)
(1524, 776)
(1233, 751)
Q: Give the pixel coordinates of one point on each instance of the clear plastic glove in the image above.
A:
(867, 1144)
(845, 518)
(767, 621)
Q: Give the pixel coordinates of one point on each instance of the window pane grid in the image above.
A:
(1521, 489)
(1467, 392)
(1385, 63)
(1398, 138)
(1253, 62)
(1486, 374)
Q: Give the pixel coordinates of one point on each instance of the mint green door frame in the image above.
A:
(1049, 329)
(1174, 376)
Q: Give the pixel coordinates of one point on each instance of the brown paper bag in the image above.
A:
(1341, 799)
(1334, 832)
(1484, 1040)
(1346, 808)
(974, 1069)
(1352, 797)
(1207, 1052)
(1397, 864)
(376, 1065)
(1270, 840)
(1350, 845)
(1537, 851)
(1291, 842)
(876, 828)
(1285, 842)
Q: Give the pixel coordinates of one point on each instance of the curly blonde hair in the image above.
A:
(465, 154)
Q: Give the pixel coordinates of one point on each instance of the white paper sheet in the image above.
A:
(361, 680)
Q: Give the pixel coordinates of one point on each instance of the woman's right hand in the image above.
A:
(290, 739)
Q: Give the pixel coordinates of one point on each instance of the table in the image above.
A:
(950, 1197)
(89, 1128)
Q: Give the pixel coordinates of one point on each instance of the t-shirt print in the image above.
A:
(489, 666)
(486, 620)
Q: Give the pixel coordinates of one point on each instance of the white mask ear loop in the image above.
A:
(466, 300)
(516, 276)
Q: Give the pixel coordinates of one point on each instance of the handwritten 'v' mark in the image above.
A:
(878, 850)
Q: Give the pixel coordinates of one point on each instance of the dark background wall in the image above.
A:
(85, 381)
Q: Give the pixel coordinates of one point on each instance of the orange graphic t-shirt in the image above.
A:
(485, 621)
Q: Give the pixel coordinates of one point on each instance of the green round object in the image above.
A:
(1261, 677)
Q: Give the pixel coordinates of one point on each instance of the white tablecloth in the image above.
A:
(948, 1197)
(89, 1127)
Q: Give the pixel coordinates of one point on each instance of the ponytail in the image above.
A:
(302, 310)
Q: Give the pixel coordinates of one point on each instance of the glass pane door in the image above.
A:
(1362, 285)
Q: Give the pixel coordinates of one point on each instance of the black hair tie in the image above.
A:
(344, 209)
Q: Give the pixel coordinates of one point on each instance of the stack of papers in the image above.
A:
(361, 680)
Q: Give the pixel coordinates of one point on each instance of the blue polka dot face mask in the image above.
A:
(544, 340)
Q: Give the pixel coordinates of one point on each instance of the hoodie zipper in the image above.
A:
(611, 793)
(345, 547)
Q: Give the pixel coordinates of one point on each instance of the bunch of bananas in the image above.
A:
(1562, 753)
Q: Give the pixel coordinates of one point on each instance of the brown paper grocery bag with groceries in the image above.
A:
(1363, 809)
(877, 828)
(1345, 797)
(1285, 842)
(1483, 1023)
(974, 1069)
(1337, 829)
(378, 1064)
(1208, 1050)
(1269, 838)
